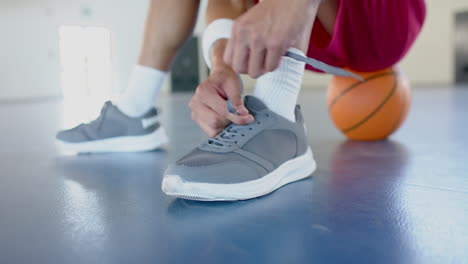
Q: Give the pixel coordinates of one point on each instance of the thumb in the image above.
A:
(233, 90)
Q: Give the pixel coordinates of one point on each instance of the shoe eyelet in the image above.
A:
(250, 128)
(258, 123)
(235, 142)
(243, 135)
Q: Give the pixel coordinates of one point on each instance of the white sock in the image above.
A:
(279, 89)
(143, 88)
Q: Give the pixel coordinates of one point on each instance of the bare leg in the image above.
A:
(326, 13)
(168, 25)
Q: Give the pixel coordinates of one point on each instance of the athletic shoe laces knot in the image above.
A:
(227, 137)
(231, 133)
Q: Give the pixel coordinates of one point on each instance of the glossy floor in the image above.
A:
(404, 200)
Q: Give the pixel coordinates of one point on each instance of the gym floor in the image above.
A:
(404, 200)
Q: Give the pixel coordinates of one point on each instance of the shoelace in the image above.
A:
(323, 66)
(230, 134)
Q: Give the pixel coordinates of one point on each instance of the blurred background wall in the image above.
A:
(30, 57)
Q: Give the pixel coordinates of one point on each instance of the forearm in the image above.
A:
(230, 9)
(217, 52)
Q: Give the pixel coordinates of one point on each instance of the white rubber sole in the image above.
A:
(152, 141)
(290, 171)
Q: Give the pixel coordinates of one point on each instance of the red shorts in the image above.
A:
(368, 35)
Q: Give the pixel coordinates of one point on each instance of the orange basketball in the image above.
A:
(372, 109)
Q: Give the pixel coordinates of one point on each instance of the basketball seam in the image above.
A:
(335, 100)
(395, 81)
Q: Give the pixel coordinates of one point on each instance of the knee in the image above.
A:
(392, 35)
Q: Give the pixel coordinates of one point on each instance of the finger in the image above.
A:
(256, 65)
(240, 57)
(233, 90)
(273, 59)
(210, 132)
(219, 105)
(228, 51)
(202, 116)
(210, 121)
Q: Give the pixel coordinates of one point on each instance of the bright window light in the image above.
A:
(85, 54)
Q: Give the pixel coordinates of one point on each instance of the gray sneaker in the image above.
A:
(244, 162)
(113, 131)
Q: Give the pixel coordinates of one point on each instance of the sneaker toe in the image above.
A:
(73, 135)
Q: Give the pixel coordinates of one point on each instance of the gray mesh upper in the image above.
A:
(276, 146)
(200, 158)
(110, 123)
(242, 153)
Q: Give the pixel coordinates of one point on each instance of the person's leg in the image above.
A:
(168, 26)
(327, 13)
(346, 43)
(131, 124)
(247, 161)
(279, 89)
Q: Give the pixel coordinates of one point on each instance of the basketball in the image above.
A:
(371, 109)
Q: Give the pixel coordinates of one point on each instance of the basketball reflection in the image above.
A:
(365, 181)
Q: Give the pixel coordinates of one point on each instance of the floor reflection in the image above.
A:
(107, 195)
(359, 192)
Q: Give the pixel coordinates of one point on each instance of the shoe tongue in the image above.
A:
(254, 104)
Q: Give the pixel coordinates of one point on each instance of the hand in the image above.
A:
(264, 33)
(209, 104)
